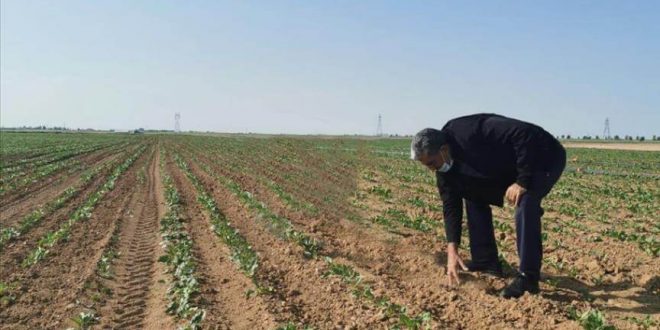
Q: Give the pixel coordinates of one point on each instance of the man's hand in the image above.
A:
(514, 193)
(453, 260)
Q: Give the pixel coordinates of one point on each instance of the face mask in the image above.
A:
(446, 166)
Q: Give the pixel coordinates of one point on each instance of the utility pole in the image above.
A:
(379, 129)
(606, 131)
(177, 124)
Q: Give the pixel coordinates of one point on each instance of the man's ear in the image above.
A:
(444, 149)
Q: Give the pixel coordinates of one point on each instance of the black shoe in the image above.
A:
(519, 286)
(492, 268)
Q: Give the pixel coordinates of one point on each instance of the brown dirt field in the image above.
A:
(135, 294)
(650, 146)
(14, 208)
(48, 186)
(320, 302)
(224, 287)
(47, 291)
(156, 316)
(409, 269)
(45, 152)
(20, 247)
(80, 162)
(405, 265)
(625, 291)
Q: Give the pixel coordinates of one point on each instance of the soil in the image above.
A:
(16, 250)
(300, 290)
(45, 294)
(18, 205)
(405, 265)
(135, 293)
(408, 268)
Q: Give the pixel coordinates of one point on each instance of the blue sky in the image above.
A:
(330, 66)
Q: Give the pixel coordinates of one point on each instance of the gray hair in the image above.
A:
(425, 142)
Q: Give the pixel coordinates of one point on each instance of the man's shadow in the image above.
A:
(647, 299)
(567, 289)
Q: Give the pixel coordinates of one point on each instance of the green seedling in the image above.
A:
(385, 193)
(593, 319)
(85, 320)
(35, 256)
(417, 201)
(6, 296)
(645, 323)
(413, 322)
(554, 282)
(345, 272)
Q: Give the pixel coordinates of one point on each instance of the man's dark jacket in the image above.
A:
(490, 153)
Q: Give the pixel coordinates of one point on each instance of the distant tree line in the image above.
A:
(39, 128)
(65, 129)
(44, 128)
(615, 137)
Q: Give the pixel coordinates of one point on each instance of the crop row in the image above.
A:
(10, 184)
(364, 291)
(29, 155)
(180, 262)
(235, 164)
(291, 165)
(25, 166)
(591, 208)
(277, 224)
(311, 249)
(23, 148)
(87, 318)
(420, 222)
(84, 212)
(19, 176)
(242, 252)
(34, 218)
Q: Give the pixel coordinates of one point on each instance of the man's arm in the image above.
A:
(452, 208)
(453, 213)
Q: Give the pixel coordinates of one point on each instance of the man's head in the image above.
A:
(430, 147)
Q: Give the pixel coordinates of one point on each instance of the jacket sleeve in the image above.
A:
(452, 207)
(524, 139)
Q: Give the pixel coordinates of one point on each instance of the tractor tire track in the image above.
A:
(45, 294)
(134, 269)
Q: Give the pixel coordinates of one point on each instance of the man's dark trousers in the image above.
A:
(528, 221)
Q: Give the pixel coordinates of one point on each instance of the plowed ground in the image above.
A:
(404, 265)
